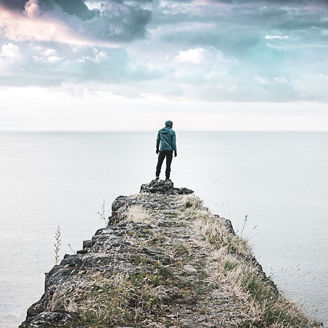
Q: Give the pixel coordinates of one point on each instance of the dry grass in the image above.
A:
(127, 299)
(230, 262)
(137, 214)
(119, 300)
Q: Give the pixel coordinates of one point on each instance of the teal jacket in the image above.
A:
(166, 139)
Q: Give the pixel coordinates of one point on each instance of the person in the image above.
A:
(165, 146)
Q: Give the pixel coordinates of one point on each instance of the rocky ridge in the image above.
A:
(163, 261)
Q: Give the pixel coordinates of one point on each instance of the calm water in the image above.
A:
(280, 180)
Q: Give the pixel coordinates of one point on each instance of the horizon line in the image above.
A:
(155, 130)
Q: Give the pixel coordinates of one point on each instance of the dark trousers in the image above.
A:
(162, 154)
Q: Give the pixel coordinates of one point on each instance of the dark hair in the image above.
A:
(169, 124)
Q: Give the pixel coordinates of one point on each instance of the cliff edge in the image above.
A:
(163, 261)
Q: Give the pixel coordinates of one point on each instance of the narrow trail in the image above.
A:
(196, 299)
(163, 261)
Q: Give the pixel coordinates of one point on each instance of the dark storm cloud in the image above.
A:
(72, 7)
(13, 4)
(117, 20)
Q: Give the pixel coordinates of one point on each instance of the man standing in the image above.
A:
(165, 146)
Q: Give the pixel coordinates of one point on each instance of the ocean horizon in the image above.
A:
(52, 179)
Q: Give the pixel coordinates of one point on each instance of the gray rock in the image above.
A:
(165, 187)
(51, 319)
(160, 255)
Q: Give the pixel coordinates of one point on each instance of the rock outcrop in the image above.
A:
(164, 187)
(163, 261)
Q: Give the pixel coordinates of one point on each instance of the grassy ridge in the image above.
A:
(176, 265)
(235, 264)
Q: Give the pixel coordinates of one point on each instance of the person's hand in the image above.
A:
(157, 150)
(175, 154)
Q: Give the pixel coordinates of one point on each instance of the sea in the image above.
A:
(273, 186)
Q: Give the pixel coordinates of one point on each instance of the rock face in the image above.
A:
(163, 261)
(165, 187)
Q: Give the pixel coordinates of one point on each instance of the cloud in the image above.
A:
(9, 55)
(278, 37)
(194, 56)
(72, 7)
(75, 7)
(13, 4)
(115, 21)
(18, 27)
(118, 22)
(10, 51)
(32, 8)
(238, 50)
(47, 55)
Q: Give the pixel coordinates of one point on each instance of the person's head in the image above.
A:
(169, 124)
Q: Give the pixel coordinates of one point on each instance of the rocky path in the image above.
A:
(192, 297)
(163, 261)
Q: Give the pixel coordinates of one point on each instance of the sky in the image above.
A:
(132, 64)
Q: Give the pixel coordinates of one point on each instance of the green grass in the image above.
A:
(229, 266)
(122, 299)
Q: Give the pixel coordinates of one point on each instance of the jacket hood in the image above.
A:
(166, 130)
(169, 124)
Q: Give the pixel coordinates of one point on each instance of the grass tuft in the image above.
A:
(232, 261)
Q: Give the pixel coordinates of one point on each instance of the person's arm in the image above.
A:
(174, 144)
(157, 142)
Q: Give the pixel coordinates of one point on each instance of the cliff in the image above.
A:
(163, 261)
